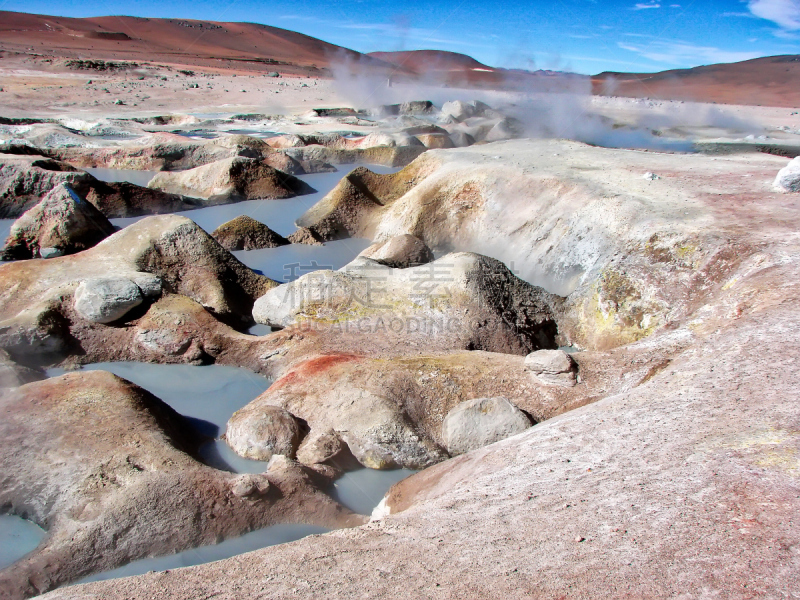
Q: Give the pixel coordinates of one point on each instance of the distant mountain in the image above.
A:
(768, 81)
(421, 61)
(174, 41)
(250, 47)
(460, 70)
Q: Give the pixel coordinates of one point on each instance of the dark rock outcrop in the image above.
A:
(245, 233)
(399, 252)
(460, 301)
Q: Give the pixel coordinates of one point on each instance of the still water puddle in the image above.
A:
(278, 215)
(18, 537)
(208, 396)
(269, 536)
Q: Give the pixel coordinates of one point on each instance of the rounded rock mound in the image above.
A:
(105, 300)
(272, 431)
(480, 422)
(245, 233)
(788, 179)
(399, 252)
(552, 367)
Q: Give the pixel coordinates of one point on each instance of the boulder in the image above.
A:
(231, 180)
(416, 107)
(552, 367)
(61, 222)
(245, 233)
(506, 129)
(272, 430)
(399, 252)
(321, 446)
(108, 299)
(477, 423)
(788, 179)
(285, 141)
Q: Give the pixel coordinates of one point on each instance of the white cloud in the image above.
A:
(784, 13)
(684, 54)
(643, 6)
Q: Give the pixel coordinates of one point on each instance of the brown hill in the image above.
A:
(769, 81)
(460, 70)
(422, 61)
(248, 46)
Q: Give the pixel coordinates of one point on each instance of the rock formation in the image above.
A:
(388, 410)
(552, 367)
(530, 204)
(105, 300)
(458, 301)
(167, 252)
(25, 180)
(351, 205)
(788, 179)
(61, 222)
(116, 481)
(231, 180)
(399, 252)
(303, 235)
(477, 423)
(271, 430)
(245, 233)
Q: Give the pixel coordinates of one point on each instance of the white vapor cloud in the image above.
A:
(784, 13)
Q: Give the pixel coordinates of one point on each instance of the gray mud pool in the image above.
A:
(208, 396)
(17, 537)
(278, 215)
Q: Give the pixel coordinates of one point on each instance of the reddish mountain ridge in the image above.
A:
(768, 81)
(247, 46)
(250, 47)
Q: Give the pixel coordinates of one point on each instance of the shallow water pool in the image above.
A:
(287, 263)
(269, 536)
(18, 537)
(207, 395)
(5, 228)
(278, 215)
(362, 490)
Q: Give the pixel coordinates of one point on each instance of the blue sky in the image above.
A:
(586, 36)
